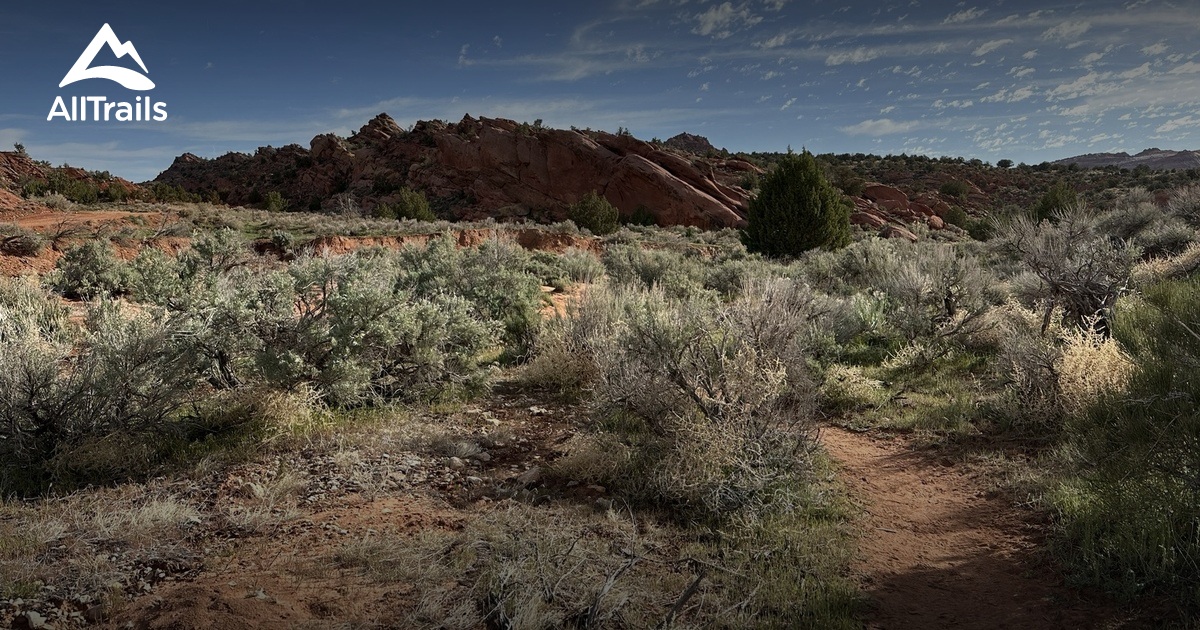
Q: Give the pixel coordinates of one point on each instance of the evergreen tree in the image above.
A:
(797, 210)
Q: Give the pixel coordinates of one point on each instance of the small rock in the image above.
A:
(456, 463)
(34, 620)
(483, 456)
(597, 489)
(538, 411)
(530, 477)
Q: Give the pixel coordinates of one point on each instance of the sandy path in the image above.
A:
(938, 551)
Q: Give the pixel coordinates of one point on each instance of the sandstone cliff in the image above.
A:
(480, 167)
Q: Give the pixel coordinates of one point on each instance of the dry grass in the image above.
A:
(1092, 366)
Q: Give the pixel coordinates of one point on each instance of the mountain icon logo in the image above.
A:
(130, 79)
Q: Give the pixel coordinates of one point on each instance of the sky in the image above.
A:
(1026, 81)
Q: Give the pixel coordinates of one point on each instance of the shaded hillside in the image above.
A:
(478, 168)
(1153, 159)
(20, 175)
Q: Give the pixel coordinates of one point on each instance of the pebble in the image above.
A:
(456, 463)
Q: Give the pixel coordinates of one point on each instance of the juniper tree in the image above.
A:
(797, 210)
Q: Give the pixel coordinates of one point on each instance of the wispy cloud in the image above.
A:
(721, 20)
(1068, 30)
(858, 55)
(991, 46)
(965, 15)
(880, 127)
(1178, 123)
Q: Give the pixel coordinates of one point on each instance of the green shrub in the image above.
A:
(595, 214)
(957, 216)
(89, 271)
(1130, 513)
(642, 215)
(1060, 197)
(797, 210)
(412, 204)
(275, 202)
(955, 188)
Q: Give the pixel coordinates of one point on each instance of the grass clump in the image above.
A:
(1129, 510)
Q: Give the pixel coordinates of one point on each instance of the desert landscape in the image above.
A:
(359, 399)
(615, 315)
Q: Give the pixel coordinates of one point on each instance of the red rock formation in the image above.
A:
(478, 168)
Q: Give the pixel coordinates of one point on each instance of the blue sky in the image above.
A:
(1028, 81)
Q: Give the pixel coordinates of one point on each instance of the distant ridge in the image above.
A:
(690, 143)
(1154, 159)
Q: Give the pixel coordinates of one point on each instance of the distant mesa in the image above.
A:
(483, 167)
(1154, 159)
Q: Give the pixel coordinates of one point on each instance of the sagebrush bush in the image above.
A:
(1079, 268)
(89, 270)
(17, 241)
(126, 376)
(721, 392)
(1185, 204)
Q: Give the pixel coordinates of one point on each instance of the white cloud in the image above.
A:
(1020, 71)
(463, 60)
(965, 15)
(788, 104)
(955, 104)
(704, 87)
(881, 127)
(774, 5)
(1009, 96)
(1067, 30)
(1178, 123)
(1030, 55)
(497, 42)
(1155, 49)
(991, 46)
(1134, 73)
(858, 55)
(887, 110)
(1190, 67)
(774, 42)
(1086, 85)
(721, 20)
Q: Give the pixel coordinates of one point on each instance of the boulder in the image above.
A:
(895, 231)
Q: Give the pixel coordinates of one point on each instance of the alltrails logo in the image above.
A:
(100, 108)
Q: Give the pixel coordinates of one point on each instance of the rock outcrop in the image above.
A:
(889, 209)
(478, 168)
(690, 143)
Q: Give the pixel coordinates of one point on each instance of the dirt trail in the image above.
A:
(938, 550)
